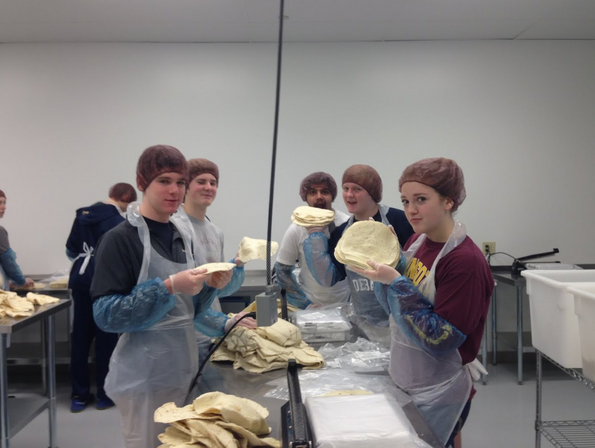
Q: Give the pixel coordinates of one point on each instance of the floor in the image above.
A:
(502, 415)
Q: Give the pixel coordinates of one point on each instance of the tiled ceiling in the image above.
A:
(307, 20)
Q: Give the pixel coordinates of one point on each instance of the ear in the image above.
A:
(448, 204)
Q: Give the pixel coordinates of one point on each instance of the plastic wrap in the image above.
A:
(322, 324)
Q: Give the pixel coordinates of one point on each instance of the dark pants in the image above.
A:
(459, 425)
(84, 331)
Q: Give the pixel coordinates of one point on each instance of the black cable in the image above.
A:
(213, 350)
(275, 132)
(497, 253)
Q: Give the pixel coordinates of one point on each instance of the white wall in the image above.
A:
(517, 116)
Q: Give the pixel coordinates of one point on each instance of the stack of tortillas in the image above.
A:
(13, 305)
(368, 240)
(215, 419)
(216, 267)
(251, 249)
(312, 217)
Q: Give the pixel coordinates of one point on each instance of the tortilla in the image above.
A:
(368, 240)
(216, 267)
(252, 249)
(312, 217)
(169, 413)
(40, 299)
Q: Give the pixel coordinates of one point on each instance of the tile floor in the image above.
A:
(502, 415)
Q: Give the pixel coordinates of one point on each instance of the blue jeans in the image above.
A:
(459, 425)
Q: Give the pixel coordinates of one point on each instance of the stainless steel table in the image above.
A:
(222, 377)
(16, 413)
(522, 339)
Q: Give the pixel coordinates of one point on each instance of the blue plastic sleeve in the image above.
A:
(286, 280)
(204, 299)
(319, 260)
(211, 323)
(234, 284)
(415, 315)
(8, 258)
(146, 305)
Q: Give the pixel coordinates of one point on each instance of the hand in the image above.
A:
(392, 229)
(248, 322)
(190, 281)
(29, 283)
(379, 273)
(239, 263)
(314, 229)
(219, 280)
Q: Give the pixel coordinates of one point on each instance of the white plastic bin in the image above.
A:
(584, 307)
(554, 325)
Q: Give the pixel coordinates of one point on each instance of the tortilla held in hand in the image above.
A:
(251, 249)
(312, 216)
(216, 267)
(368, 240)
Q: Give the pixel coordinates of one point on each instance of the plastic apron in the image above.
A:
(369, 316)
(149, 368)
(439, 387)
(4, 284)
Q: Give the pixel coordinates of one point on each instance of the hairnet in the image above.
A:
(367, 177)
(2, 195)
(318, 177)
(443, 175)
(123, 192)
(156, 160)
(201, 166)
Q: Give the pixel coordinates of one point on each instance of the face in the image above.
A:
(319, 196)
(2, 207)
(427, 211)
(202, 190)
(163, 196)
(358, 201)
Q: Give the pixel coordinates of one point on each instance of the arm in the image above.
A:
(146, 305)
(286, 280)
(319, 260)
(8, 259)
(234, 284)
(417, 317)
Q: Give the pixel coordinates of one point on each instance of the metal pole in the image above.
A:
(4, 422)
(51, 377)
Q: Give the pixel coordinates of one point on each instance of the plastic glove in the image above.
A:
(248, 322)
(379, 273)
(239, 263)
(190, 281)
(219, 280)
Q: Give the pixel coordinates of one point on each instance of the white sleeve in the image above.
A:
(289, 250)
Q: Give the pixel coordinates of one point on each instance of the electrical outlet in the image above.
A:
(489, 247)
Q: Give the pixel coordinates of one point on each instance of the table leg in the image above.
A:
(4, 430)
(538, 361)
(51, 377)
(494, 325)
(519, 330)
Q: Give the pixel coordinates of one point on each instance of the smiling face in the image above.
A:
(163, 196)
(427, 211)
(2, 206)
(202, 190)
(358, 201)
(319, 196)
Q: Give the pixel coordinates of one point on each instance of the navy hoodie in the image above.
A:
(89, 226)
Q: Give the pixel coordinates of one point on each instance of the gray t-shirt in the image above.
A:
(4, 244)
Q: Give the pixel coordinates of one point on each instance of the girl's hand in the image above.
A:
(378, 273)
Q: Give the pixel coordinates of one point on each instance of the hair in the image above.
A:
(2, 195)
(366, 177)
(318, 177)
(156, 160)
(123, 192)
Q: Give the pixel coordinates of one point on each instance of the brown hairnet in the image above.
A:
(367, 177)
(318, 177)
(123, 192)
(197, 167)
(156, 160)
(443, 175)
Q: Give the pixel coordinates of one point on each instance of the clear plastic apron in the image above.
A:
(370, 316)
(149, 368)
(439, 387)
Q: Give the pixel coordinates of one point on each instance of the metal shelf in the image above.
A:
(563, 434)
(567, 434)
